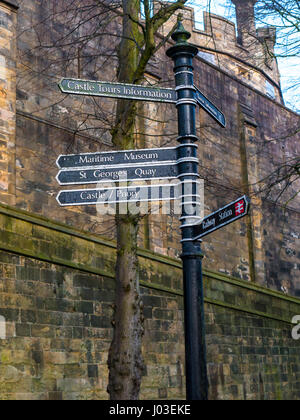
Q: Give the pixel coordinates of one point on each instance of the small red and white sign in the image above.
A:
(222, 217)
(240, 207)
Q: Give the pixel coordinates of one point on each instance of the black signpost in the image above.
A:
(149, 164)
(196, 371)
(136, 92)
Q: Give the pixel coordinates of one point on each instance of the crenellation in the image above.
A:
(223, 29)
(267, 38)
(221, 45)
(245, 20)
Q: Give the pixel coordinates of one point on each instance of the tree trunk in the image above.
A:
(125, 356)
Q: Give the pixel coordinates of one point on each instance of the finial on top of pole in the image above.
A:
(180, 35)
(179, 17)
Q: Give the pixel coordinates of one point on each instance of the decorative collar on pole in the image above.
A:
(181, 37)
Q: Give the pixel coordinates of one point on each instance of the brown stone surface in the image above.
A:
(57, 287)
(7, 102)
(258, 138)
(56, 292)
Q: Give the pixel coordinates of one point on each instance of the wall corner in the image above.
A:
(8, 32)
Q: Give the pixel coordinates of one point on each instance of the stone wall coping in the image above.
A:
(143, 253)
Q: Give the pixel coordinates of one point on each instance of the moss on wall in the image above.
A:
(56, 291)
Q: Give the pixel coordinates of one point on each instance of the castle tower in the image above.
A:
(245, 19)
(258, 42)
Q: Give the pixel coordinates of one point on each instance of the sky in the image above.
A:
(289, 67)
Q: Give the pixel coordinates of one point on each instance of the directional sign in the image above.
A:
(222, 217)
(210, 108)
(117, 174)
(117, 90)
(135, 92)
(118, 195)
(167, 154)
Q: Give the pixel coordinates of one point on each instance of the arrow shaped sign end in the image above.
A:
(60, 85)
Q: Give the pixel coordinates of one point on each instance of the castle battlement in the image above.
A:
(246, 54)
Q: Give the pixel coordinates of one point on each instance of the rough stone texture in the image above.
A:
(57, 321)
(219, 45)
(8, 21)
(57, 282)
(258, 137)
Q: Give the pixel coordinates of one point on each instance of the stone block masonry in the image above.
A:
(245, 152)
(56, 291)
(219, 45)
(8, 19)
(57, 283)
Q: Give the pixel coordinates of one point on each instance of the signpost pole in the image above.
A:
(196, 371)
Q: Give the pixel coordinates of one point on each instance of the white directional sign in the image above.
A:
(117, 174)
(117, 90)
(118, 195)
(122, 157)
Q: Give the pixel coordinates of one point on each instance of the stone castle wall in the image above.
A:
(258, 137)
(57, 270)
(55, 305)
(218, 44)
(8, 22)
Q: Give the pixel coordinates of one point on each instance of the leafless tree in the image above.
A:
(86, 38)
(67, 38)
